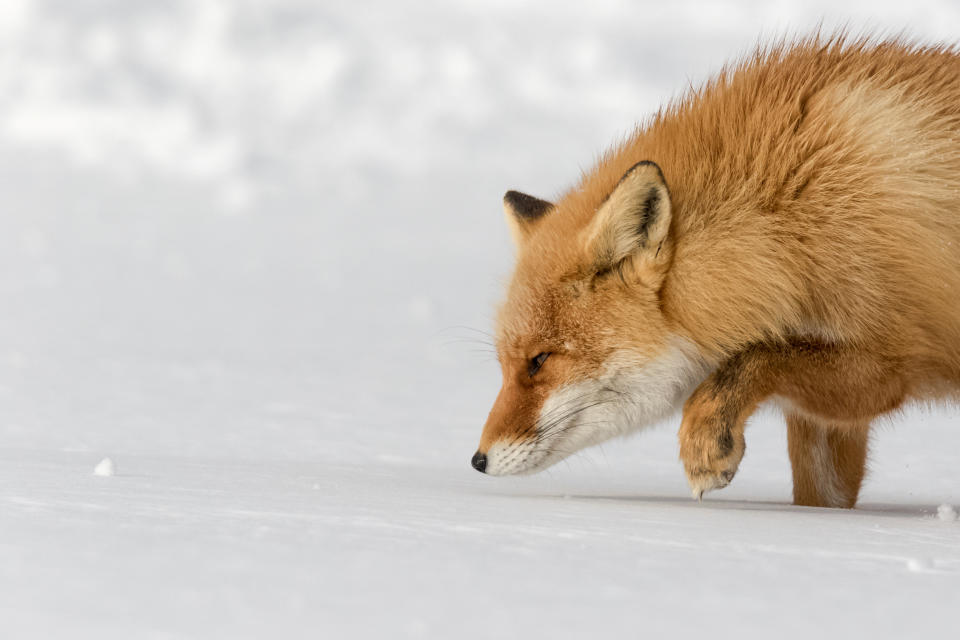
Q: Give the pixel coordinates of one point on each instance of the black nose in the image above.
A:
(479, 461)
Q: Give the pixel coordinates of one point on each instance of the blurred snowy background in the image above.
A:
(245, 248)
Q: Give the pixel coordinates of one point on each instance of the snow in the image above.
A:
(920, 565)
(946, 513)
(105, 468)
(251, 249)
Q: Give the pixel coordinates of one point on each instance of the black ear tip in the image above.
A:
(524, 206)
(518, 197)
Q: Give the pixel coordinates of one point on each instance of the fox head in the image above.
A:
(584, 345)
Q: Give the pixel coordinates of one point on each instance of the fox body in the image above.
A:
(789, 231)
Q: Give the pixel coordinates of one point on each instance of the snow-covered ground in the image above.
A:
(245, 252)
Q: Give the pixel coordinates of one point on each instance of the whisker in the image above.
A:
(460, 327)
(547, 425)
(467, 340)
(561, 421)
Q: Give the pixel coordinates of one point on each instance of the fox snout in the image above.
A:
(510, 431)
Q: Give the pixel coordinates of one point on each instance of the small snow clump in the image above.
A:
(919, 565)
(106, 468)
(946, 513)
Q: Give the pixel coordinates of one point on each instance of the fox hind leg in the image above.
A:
(828, 461)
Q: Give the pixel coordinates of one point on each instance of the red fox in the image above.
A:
(789, 232)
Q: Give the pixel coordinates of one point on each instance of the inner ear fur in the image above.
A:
(522, 211)
(630, 228)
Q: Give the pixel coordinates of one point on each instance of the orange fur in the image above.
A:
(812, 208)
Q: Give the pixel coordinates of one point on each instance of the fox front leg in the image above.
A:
(711, 434)
(711, 440)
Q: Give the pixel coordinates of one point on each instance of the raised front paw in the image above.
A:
(711, 443)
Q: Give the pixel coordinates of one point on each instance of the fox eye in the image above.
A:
(536, 362)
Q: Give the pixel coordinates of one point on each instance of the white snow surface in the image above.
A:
(249, 249)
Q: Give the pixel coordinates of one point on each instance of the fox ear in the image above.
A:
(522, 212)
(630, 228)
